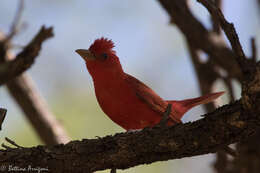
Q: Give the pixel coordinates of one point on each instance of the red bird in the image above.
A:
(126, 100)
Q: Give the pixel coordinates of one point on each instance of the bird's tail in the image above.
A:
(179, 108)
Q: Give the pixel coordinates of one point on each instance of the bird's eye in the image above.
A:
(104, 56)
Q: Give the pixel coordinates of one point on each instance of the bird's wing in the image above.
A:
(147, 95)
(157, 104)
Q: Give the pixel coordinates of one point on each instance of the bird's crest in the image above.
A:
(101, 45)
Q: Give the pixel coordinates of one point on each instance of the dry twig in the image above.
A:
(15, 25)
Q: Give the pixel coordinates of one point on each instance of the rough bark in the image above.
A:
(226, 125)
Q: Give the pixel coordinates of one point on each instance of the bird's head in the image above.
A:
(100, 58)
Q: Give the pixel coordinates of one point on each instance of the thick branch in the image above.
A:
(25, 59)
(36, 110)
(226, 125)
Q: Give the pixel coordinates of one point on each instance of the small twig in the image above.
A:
(2, 116)
(165, 117)
(16, 21)
(253, 49)
(13, 143)
(6, 147)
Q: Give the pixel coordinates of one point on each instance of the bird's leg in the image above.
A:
(165, 117)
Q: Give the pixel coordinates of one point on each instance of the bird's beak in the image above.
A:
(85, 54)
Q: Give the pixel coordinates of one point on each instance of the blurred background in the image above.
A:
(148, 46)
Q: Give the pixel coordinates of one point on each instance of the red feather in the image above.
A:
(102, 45)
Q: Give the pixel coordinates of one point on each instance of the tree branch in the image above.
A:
(224, 126)
(230, 33)
(25, 59)
(200, 37)
(36, 110)
(25, 93)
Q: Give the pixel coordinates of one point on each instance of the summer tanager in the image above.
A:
(126, 100)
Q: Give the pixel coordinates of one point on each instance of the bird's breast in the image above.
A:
(119, 101)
